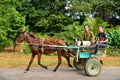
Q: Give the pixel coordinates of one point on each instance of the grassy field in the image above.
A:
(20, 60)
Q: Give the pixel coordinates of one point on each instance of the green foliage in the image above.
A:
(106, 7)
(113, 51)
(114, 38)
(39, 14)
(55, 23)
(10, 23)
(26, 49)
(81, 6)
(72, 31)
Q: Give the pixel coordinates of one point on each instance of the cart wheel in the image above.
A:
(92, 67)
(80, 64)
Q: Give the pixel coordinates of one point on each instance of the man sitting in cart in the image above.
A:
(88, 35)
(102, 40)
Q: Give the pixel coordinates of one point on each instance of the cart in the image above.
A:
(84, 60)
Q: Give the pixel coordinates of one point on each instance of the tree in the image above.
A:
(55, 23)
(10, 23)
(99, 8)
(39, 10)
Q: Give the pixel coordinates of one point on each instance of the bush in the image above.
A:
(112, 51)
(26, 49)
(11, 21)
(72, 31)
(114, 38)
(114, 42)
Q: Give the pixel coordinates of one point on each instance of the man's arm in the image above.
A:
(106, 38)
(105, 41)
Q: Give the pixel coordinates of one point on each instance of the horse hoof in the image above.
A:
(46, 68)
(71, 66)
(54, 70)
(25, 71)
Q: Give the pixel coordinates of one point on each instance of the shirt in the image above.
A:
(102, 36)
(88, 36)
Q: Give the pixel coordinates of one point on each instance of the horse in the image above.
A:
(40, 49)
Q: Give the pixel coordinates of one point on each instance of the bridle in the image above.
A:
(21, 38)
(34, 45)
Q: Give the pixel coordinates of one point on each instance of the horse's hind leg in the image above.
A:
(66, 57)
(31, 60)
(59, 60)
(39, 61)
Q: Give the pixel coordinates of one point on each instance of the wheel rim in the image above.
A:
(94, 68)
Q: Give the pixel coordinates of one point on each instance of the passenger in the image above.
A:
(102, 40)
(88, 35)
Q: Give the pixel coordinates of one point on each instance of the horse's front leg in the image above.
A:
(39, 61)
(31, 60)
(59, 60)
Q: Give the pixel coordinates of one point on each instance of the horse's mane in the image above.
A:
(32, 35)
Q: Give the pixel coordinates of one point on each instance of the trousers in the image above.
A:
(101, 45)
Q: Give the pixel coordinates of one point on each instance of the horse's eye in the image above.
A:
(18, 38)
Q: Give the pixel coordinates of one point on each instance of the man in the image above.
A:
(102, 39)
(88, 35)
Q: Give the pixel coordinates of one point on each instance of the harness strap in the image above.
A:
(41, 41)
(41, 44)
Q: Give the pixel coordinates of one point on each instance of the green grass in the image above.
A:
(111, 63)
(18, 60)
(22, 60)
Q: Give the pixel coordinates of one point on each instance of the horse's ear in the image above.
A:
(23, 30)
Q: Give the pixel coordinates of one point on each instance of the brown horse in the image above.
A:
(40, 49)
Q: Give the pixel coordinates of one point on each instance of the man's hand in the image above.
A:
(101, 42)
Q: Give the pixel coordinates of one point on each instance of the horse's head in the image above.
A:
(20, 38)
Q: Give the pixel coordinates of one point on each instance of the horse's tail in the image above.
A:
(68, 50)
